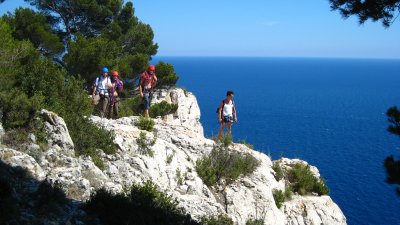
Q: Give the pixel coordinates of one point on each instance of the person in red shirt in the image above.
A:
(148, 80)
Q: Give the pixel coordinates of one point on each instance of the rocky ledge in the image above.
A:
(179, 142)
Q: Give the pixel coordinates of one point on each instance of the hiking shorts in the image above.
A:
(227, 119)
(147, 96)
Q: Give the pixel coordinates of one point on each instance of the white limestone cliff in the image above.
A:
(179, 143)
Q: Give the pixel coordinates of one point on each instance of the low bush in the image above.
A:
(303, 181)
(278, 171)
(279, 198)
(145, 123)
(145, 144)
(161, 109)
(225, 140)
(216, 220)
(17, 138)
(170, 157)
(250, 146)
(255, 222)
(282, 196)
(145, 204)
(131, 107)
(223, 164)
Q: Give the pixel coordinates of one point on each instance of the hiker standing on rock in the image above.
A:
(100, 93)
(226, 113)
(116, 90)
(147, 82)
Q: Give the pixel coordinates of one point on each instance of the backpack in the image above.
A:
(119, 86)
(94, 84)
(223, 104)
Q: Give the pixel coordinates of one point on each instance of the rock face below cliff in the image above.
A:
(179, 142)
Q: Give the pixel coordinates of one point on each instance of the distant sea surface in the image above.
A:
(329, 112)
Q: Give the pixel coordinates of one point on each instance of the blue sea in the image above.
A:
(329, 112)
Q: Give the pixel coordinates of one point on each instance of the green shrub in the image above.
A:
(145, 123)
(18, 108)
(224, 164)
(145, 204)
(247, 144)
(15, 138)
(144, 145)
(98, 161)
(255, 222)
(320, 187)
(166, 75)
(217, 220)
(279, 198)
(303, 180)
(131, 107)
(278, 171)
(226, 139)
(180, 177)
(288, 193)
(161, 109)
(170, 157)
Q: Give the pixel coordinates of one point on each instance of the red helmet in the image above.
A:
(151, 67)
(115, 74)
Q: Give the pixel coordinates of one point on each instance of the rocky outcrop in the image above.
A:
(188, 113)
(179, 142)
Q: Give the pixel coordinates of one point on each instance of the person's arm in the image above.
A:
(140, 88)
(220, 112)
(95, 87)
(234, 113)
(155, 81)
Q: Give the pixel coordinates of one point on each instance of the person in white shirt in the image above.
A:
(100, 93)
(226, 113)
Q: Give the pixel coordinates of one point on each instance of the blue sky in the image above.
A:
(285, 28)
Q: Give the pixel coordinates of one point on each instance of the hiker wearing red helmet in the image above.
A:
(147, 83)
(116, 90)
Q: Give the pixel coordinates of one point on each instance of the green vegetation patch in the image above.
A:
(282, 196)
(166, 74)
(255, 222)
(145, 123)
(303, 181)
(144, 204)
(278, 171)
(220, 219)
(250, 146)
(223, 164)
(161, 109)
(145, 144)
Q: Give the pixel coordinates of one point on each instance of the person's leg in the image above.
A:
(104, 106)
(101, 102)
(116, 108)
(146, 97)
(111, 111)
(229, 125)
(221, 129)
